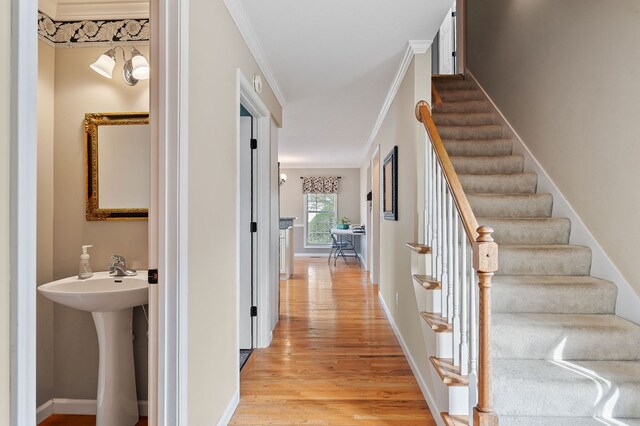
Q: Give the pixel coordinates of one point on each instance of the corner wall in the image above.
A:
(401, 128)
(5, 202)
(564, 73)
(217, 51)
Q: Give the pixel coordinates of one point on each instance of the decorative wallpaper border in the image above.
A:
(109, 31)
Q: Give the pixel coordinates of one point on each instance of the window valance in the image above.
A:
(320, 185)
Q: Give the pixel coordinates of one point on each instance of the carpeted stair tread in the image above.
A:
(466, 106)
(551, 230)
(485, 131)
(557, 259)
(460, 119)
(514, 183)
(511, 205)
(564, 336)
(564, 421)
(478, 147)
(553, 294)
(461, 95)
(489, 165)
(566, 388)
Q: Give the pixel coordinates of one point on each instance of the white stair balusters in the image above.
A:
(444, 279)
(464, 305)
(455, 319)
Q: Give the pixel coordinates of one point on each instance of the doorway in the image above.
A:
(248, 146)
(375, 217)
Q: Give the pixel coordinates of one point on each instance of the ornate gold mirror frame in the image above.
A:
(91, 123)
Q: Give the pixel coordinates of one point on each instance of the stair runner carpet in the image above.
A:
(561, 355)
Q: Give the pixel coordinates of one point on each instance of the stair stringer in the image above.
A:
(437, 344)
(628, 301)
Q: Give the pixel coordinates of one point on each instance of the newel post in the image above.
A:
(485, 262)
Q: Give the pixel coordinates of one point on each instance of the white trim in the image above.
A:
(169, 108)
(628, 302)
(325, 254)
(44, 411)
(414, 367)
(284, 165)
(298, 225)
(252, 102)
(23, 186)
(231, 408)
(414, 47)
(61, 10)
(236, 10)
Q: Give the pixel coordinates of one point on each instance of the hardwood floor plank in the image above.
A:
(334, 359)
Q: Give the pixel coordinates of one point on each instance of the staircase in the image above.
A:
(560, 354)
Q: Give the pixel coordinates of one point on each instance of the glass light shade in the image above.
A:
(105, 64)
(140, 65)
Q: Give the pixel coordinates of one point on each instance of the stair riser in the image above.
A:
(488, 165)
(477, 119)
(575, 260)
(461, 95)
(443, 85)
(499, 184)
(554, 299)
(529, 231)
(471, 147)
(534, 205)
(557, 421)
(470, 106)
(541, 338)
(490, 131)
(515, 397)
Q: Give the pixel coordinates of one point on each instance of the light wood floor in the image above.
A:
(334, 359)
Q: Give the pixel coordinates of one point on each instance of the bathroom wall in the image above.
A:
(5, 260)
(78, 90)
(44, 331)
(292, 200)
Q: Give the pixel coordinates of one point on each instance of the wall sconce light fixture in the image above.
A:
(135, 68)
(283, 178)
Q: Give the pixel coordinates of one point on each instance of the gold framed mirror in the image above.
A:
(117, 165)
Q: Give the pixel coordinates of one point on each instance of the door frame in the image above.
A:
(169, 113)
(374, 275)
(252, 102)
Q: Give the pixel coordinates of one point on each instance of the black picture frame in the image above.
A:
(390, 185)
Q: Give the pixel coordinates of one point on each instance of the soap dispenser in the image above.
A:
(85, 271)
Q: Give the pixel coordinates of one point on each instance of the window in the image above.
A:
(320, 216)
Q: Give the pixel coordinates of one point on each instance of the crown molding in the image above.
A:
(81, 10)
(414, 47)
(248, 34)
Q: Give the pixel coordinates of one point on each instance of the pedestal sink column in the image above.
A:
(117, 399)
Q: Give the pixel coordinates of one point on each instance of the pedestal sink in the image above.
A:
(110, 300)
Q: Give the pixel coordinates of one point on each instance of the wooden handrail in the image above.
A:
(459, 198)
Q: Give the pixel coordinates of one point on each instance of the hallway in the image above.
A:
(334, 359)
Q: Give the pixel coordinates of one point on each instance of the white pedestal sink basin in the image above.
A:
(110, 300)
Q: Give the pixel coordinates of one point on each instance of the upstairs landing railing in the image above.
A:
(463, 255)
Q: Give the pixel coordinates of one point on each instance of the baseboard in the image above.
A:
(44, 411)
(86, 407)
(628, 302)
(431, 402)
(231, 408)
(311, 254)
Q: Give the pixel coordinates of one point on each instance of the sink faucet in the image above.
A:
(118, 267)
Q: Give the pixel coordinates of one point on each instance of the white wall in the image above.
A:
(564, 73)
(217, 51)
(5, 259)
(292, 200)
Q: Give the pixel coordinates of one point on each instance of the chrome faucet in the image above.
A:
(118, 267)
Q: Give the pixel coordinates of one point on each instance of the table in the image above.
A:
(342, 245)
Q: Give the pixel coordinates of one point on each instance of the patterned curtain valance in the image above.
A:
(320, 185)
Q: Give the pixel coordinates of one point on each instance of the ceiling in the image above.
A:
(334, 62)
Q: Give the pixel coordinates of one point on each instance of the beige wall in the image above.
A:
(401, 128)
(44, 344)
(292, 199)
(79, 90)
(217, 51)
(564, 73)
(5, 260)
